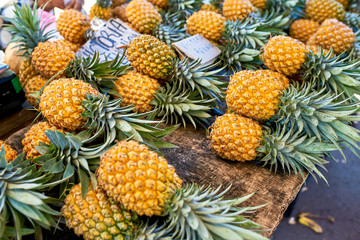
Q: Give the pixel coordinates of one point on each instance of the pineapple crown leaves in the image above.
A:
(256, 29)
(21, 199)
(100, 75)
(197, 212)
(175, 106)
(338, 74)
(26, 28)
(154, 231)
(319, 113)
(238, 57)
(185, 5)
(67, 161)
(293, 150)
(106, 117)
(192, 75)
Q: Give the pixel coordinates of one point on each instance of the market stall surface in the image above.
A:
(341, 200)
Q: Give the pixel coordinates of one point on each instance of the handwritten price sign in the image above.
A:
(196, 47)
(107, 39)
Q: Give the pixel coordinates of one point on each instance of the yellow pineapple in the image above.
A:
(210, 25)
(259, 3)
(26, 71)
(49, 58)
(97, 216)
(237, 9)
(143, 16)
(320, 10)
(10, 153)
(303, 29)
(33, 85)
(159, 3)
(151, 57)
(101, 9)
(256, 94)
(72, 25)
(137, 89)
(336, 35)
(73, 46)
(284, 54)
(34, 136)
(235, 137)
(210, 8)
(311, 40)
(61, 102)
(138, 178)
(316, 50)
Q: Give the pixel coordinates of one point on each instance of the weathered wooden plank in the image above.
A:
(195, 162)
(15, 121)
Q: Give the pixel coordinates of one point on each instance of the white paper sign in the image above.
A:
(115, 33)
(197, 47)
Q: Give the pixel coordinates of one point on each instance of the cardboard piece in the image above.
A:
(197, 47)
(113, 34)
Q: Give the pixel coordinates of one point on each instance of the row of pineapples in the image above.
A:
(286, 117)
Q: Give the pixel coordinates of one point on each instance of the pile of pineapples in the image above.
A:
(294, 75)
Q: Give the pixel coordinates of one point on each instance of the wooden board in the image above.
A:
(195, 162)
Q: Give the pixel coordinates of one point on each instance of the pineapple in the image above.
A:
(317, 50)
(146, 184)
(284, 54)
(61, 103)
(26, 71)
(235, 137)
(72, 25)
(97, 216)
(345, 3)
(259, 3)
(150, 56)
(210, 8)
(73, 46)
(120, 12)
(336, 35)
(237, 9)
(320, 10)
(143, 16)
(34, 85)
(24, 207)
(10, 153)
(210, 25)
(101, 9)
(50, 58)
(256, 94)
(311, 41)
(303, 29)
(172, 29)
(159, 3)
(35, 135)
(137, 89)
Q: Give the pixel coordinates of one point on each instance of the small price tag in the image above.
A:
(113, 34)
(197, 47)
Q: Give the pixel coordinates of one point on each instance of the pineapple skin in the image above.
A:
(259, 3)
(73, 46)
(137, 89)
(235, 138)
(100, 12)
(210, 8)
(97, 216)
(303, 29)
(49, 58)
(34, 136)
(315, 50)
(210, 25)
(335, 34)
(320, 10)
(143, 16)
(10, 153)
(33, 85)
(61, 102)
(72, 25)
(284, 55)
(26, 71)
(237, 9)
(159, 3)
(151, 57)
(256, 94)
(138, 178)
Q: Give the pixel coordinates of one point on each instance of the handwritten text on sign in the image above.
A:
(196, 47)
(113, 34)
